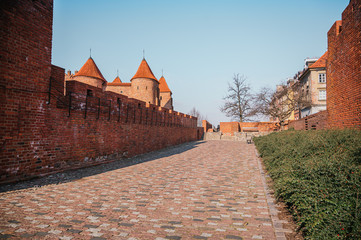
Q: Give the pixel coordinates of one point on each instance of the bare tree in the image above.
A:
(274, 104)
(238, 101)
(280, 104)
(195, 113)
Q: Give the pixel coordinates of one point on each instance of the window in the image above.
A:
(322, 95)
(89, 92)
(322, 77)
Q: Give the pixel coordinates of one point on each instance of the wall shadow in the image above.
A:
(73, 175)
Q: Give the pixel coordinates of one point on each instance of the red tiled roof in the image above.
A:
(321, 62)
(117, 80)
(144, 71)
(119, 84)
(163, 86)
(90, 69)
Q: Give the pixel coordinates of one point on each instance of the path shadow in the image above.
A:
(73, 175)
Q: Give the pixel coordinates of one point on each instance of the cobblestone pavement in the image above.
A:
(199, 190)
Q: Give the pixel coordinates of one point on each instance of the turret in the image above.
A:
(166, 99)
(90, 74)
(144, 85)
(118, 86)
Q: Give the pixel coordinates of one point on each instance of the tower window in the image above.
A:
(89, 92)
(138, 87)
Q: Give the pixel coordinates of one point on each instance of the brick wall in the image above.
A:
(343, 69)
(206, 126)
(43, 132)
(228, 128)
(261, 126)
(25, 69)
(315, 121)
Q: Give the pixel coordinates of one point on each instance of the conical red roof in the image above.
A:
(321, 62)
(117, 80)
(90, 69)
(144, 71)
(163, 86)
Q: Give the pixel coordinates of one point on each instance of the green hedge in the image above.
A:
(318, 175)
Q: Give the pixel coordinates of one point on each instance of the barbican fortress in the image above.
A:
(144, 85)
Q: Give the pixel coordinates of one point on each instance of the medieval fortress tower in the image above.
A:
(143, 86)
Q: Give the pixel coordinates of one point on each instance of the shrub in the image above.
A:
(318, 175)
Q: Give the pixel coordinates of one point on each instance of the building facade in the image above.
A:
(312, 87)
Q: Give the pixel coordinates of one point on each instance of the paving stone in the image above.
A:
(13, 221)
(76, 221)
(173, 237)
(90, 226)
(74, 231)
(198, 190)
(233, 237)
(6, 236)
(26, 235)
(126, 224)
(41, 234)
(198, 220)
(199, 237)
(168, 227)
(175, 222)
(64, 226)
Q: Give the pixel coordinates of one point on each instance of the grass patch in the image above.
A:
(318, 175)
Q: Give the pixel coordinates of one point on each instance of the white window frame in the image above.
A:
(322, 96)
(322, 77)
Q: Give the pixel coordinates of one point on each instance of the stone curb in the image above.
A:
(277, 223)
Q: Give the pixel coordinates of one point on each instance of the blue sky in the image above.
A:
(199, 44)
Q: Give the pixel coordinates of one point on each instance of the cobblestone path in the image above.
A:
(209, 190)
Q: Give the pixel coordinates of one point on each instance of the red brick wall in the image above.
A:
(38, 136)
(200, 132)
(228, 128)
(312, 122)
(343, 69)
(25, 68)
(206, 126)
(261, 126)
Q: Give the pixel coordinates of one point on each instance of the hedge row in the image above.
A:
(318, 175)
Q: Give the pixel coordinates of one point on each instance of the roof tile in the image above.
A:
(321, 62)
(119, 84)
(163, 86)
(144, 71)
(117, 80)
(90, 69)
